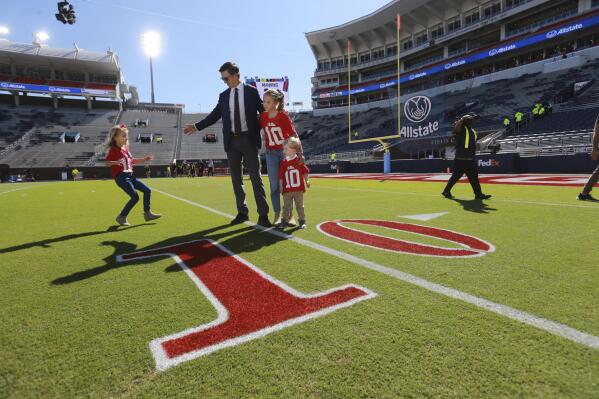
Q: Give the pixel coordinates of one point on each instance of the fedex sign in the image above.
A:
(489, 163)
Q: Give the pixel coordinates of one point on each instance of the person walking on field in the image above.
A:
(585, 195)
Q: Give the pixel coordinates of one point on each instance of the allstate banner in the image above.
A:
(422, 116)
(11, 86)
(264, 84)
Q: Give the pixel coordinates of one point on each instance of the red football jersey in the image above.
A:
(292, 173)
(120, 154)
(276, 130)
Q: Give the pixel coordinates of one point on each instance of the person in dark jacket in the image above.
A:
(239, 108)
(465, 156)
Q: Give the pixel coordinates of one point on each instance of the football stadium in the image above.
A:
(421, 226)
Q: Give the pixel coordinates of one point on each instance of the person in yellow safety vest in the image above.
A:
(506, 123)
(535, 112)
(465, 156)
(333, 156)
(541, 111)
(75, 172)
(518, 119)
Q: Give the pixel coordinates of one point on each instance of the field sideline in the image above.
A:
(78, 320)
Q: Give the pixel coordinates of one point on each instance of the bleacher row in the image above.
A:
(30, 135)
(493, 101)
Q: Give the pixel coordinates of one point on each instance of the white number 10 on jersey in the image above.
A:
(274, 135)
(292, 178)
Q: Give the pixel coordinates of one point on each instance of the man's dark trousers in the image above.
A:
(241, 148)
(468, 167)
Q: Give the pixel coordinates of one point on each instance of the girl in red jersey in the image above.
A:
(121, 162)
(276, 128)
(294, 179)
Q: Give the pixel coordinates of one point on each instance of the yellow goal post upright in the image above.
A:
(384, 136)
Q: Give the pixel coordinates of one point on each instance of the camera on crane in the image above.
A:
(66, 13)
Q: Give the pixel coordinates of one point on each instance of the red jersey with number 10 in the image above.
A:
(276, 130)
(292, 173)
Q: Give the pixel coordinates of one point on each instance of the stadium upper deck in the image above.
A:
(444, 41)
(42, 70)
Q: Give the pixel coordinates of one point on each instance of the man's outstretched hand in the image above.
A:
(189, 129)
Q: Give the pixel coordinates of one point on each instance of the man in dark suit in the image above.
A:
(239, 107)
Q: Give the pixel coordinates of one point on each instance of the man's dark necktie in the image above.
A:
(237, 114)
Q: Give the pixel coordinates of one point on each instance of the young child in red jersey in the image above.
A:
(293, 172)
(276, 128)
(121, 162)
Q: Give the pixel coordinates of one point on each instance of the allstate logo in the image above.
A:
(493, 52)
(417, 108)
(4, 84)
(552, 34)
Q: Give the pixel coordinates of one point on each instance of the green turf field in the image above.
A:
(75, 322)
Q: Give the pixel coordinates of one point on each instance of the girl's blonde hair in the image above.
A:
(278, 96)
(293, 143)
(110, 140)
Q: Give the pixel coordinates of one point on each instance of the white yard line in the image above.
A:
(550, 326)
(494, 199)
(24, 188)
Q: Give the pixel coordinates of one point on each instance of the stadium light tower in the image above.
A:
(38, 40)
(41, 37)
(151, 43)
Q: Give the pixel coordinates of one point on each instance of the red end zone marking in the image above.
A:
(249, 302)
(508, 179)
(473, 246)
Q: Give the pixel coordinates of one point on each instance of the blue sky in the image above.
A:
(265, 38)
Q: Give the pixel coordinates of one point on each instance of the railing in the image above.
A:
(12, 146)
(342, 156)
(548, 143)
(564, 150)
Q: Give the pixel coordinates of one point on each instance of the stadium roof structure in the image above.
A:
(413, 13)
(37, 53)
(380, 27)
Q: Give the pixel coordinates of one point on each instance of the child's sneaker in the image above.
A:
(302, 224)
(151, 216)
(291, 222)
(122, 220)
(277, 220)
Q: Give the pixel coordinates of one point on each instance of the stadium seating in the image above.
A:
(493, 101)
(193, 147)
(163, 123)
(30, 134)
(36, 132)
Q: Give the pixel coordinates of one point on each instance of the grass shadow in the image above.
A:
(474, 205)
(46, 243)
(240, 240)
